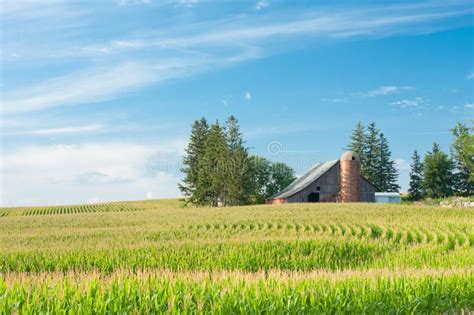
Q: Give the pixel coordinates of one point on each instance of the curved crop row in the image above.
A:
(68, 210)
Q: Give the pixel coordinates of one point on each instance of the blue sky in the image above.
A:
(97, 98)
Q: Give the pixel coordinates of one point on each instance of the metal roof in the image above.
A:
(387, 194)
(305, 180)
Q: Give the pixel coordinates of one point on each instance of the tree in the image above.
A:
(260, 169)
(438, 177)
(238, 176)
(462, 151)
(372, 155)
(212, 173)
(218, 169)
(191, 162)
(416, 177)
(357, 143)
(268, 178)
(281, 175)
(387, 173)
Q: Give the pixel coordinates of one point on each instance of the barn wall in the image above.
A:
(367, 191)
(329, 187)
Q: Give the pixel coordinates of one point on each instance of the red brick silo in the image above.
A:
(349, 177)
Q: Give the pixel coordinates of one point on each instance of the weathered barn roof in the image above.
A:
(305, 180)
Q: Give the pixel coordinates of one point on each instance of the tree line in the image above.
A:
(373, 150)
(219, 171)
(439, 175)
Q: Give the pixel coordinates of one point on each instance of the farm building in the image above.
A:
(387, 197)
(331, 181)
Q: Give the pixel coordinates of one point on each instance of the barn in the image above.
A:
(331, 181)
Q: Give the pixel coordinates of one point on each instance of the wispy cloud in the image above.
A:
(58, 130)
(470, 76)
(247, 96)
(94, 85)
(78, 87)
(386, 90)
(469, 106)
(411, 104)
(402, 164)
(133, 2)
(261, 5)
(116, 65)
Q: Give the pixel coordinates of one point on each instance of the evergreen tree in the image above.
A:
(212, 173)
(192, 160)
(238, 176)
(357, 143)
(218, 169)
(370, 169)
(387, 173)
(438, 177)
(416, 177)
(462, 151)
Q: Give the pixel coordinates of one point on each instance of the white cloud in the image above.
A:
(195, 46)
(48, 174)
(78, 87)
(334, 100)
(187, 3)
(386, 90)
(402, 164)
(59, 130)
(261, 5)
(469, 106)
(470, 76)
(96, 85)
(133, 2)
(248, 96)
(412, 104)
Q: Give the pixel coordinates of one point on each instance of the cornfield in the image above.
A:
(156, 256)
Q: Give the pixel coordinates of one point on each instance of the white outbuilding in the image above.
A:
(387, 197)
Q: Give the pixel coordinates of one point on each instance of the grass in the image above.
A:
(156, 256)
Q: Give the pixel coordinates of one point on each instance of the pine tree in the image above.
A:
(438, 176)
(462, 151)
(357, 143)
(238, 176)
(416, 177)
(387, 173)
(212, 173)
(370, 169)
(192, 160)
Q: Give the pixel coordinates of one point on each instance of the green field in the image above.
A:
(156, 256)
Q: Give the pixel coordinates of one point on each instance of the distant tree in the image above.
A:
(260, 177)
(358, 144)
(376, 165)
(268, 178)
(372, 155)
(416, 177)
(462, 151)
(281, 175)
(387, 173)
(438, 176)
(238, 179)
(212, 173)
(192, 160)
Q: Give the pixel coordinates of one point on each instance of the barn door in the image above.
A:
(313, 197)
